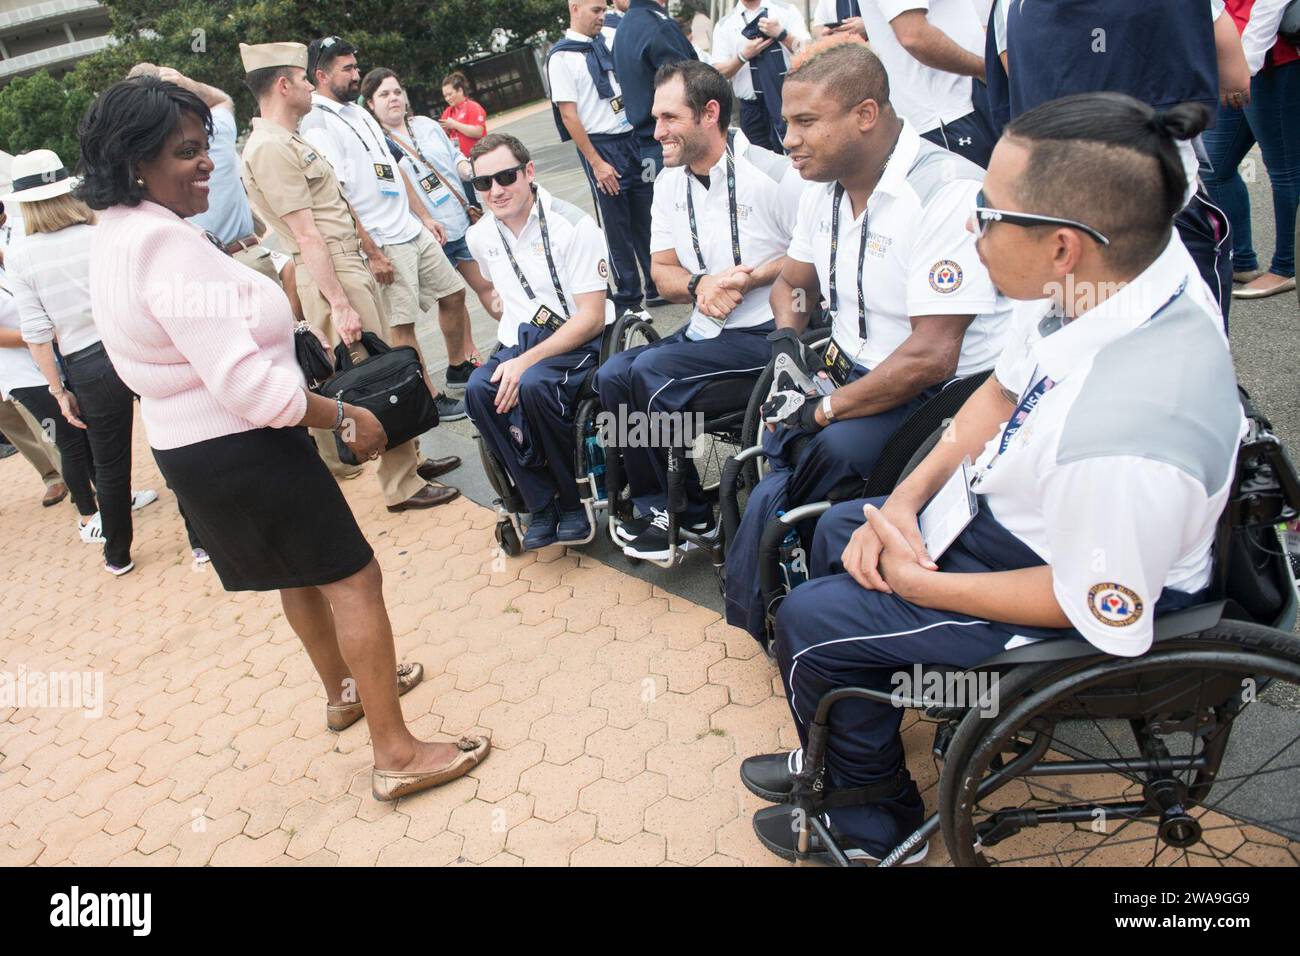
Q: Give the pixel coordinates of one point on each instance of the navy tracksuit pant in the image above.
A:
(625, 218)
(804, 470)
(534, 440)
(971, 136)
(667, 377)
(1205, 232)
(831, 633)
(760, 127)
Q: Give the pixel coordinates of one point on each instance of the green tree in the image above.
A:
(37, 112)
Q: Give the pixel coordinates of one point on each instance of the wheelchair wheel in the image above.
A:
(508, 539)
(815, 339)
(1187, 755)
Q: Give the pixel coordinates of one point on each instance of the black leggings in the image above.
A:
(74, 448)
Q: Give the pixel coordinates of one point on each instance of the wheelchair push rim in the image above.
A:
(1188, 755)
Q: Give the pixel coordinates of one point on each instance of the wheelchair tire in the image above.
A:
(813, 338)
(508, 539)
(1152, 803)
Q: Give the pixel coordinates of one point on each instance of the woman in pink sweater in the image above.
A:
(207, 344)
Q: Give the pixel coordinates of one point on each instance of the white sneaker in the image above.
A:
(141, 498)
(200, 556)
(92, 532)
(118, 572)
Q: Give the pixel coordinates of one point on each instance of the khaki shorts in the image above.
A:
(422, 276)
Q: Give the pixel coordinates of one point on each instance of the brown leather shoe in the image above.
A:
(427, 497)
(343, 716)
(54, 494)
(431, 468)
(391, 784)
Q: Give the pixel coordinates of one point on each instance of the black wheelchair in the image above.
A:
(629, 331)
(1089, 759)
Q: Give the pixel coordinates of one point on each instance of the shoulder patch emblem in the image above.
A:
(602, 269)
(1113, 604)
(945, 276)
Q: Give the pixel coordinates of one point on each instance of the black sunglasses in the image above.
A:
(505, 177)
(315, 49)
(984, 215)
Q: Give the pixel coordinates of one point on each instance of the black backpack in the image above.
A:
(388, 383)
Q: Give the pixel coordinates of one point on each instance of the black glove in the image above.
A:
(808, 416)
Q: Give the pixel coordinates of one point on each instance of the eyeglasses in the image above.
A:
(505, 177)
(984, 215)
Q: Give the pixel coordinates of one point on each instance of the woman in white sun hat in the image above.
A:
(49, 273)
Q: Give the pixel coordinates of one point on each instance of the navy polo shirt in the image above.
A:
(1159, 51)
(646, 39)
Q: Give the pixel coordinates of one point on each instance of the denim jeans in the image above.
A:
(108, 411)
(74, 448)
(1273, 120)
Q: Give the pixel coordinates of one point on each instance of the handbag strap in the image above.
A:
(414, 149)
(372, 343)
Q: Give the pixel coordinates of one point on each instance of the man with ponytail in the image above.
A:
(1103, 448)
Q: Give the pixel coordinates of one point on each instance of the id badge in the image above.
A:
(387, 179)
(616, 104)
(837, 364)
(434, 189)
(547, 318)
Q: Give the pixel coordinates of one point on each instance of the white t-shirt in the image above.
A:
(572, 83)
(728, 42)
(767, 203)
(577, 247)
(353, 143)
(49, 273)
(920, 259)
(922, 95)
(1116, 474)
(17, 367)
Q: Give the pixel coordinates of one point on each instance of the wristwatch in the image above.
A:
(693, 283)
(827, 412)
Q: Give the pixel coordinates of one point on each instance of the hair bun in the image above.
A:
(1183, 121)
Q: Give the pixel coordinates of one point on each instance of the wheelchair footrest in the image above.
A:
(809, 794)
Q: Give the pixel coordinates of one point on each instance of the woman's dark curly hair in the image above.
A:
(126, 125)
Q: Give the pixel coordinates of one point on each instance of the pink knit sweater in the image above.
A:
(206, 342)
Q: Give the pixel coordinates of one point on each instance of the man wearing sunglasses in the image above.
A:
(401, 239)
(881, 236)
(546, 259)
(1103, 448)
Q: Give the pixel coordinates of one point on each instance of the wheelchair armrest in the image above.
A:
(769, 550)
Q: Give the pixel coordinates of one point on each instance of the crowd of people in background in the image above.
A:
(916, 174)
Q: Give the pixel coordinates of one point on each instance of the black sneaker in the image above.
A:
(458, 375)
(652, 544)
(777, 829)
(627, 531)
(771, 776)
(449, 409)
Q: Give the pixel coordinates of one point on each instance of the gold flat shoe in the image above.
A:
(343, 716)
(1287, 285)
(391, 784)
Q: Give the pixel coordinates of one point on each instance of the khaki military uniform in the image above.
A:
(283, 173)
(258, 258)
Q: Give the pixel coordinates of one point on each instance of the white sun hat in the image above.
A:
(38, 175)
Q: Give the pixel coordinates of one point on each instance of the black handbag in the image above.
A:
(312, 357)
(389, 383)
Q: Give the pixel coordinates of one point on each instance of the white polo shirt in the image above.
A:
(920, 94)
(920, 259)
(577, 246)
(17, 367)
(353, 143)
(767, 203)
(1117, 473)
(728, 42)
(572, 83)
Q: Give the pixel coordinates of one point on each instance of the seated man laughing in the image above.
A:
(1104, 443)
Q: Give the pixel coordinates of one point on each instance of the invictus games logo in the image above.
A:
(1113, 604)
(517, 434)
(945, 276)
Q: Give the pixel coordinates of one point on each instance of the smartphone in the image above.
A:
(834, 26)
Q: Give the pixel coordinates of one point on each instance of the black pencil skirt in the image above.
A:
(266, 509)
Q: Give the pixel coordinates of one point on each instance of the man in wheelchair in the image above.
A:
(1104, 447)
(546, 259)
(720, 224)
(881, 233)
